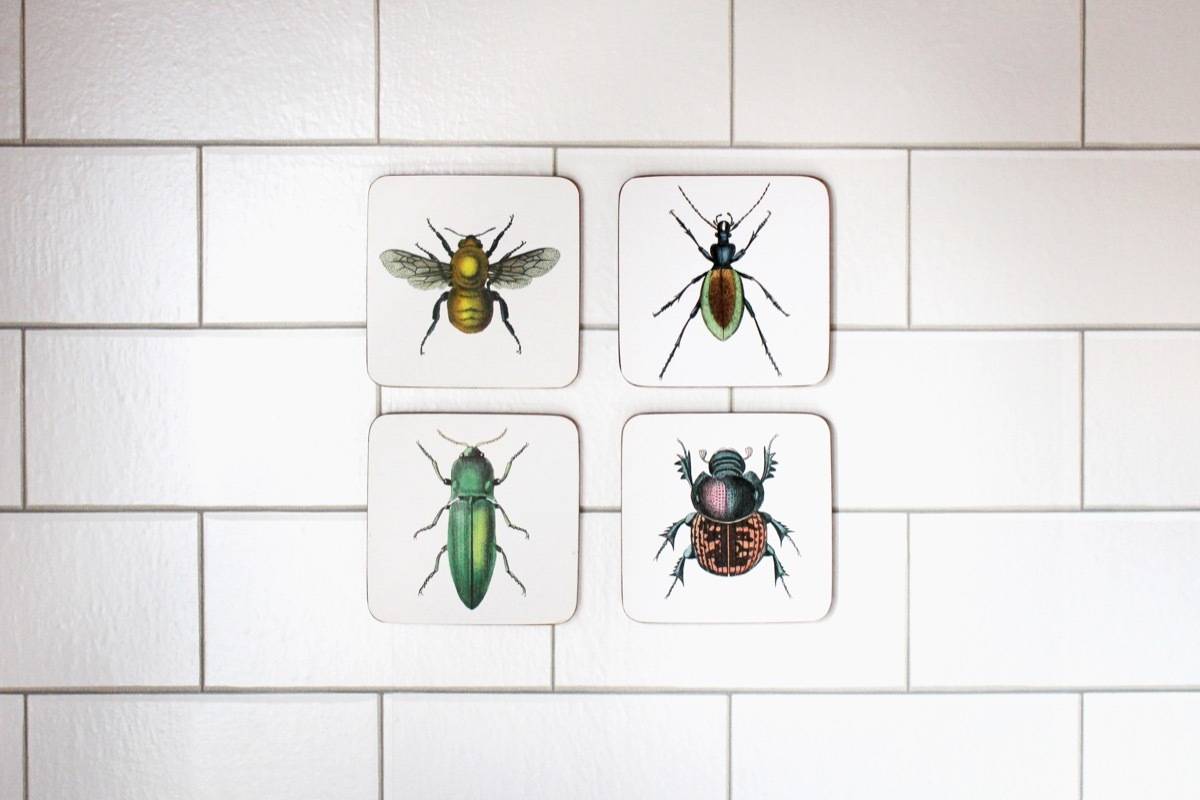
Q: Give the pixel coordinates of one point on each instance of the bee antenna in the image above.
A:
(693, 205)
(756, 202)
(495, 438)
(452, 441)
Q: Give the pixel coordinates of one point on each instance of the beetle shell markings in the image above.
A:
(721, 302)
(471, 546)
(729, 548)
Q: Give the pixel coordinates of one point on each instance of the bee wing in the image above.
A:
(518, 271)
(419, 271)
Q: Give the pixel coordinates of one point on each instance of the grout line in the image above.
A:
(24, 426)
(200, 236)
(554, 168)
(355, 325)
(731, 74)
(1081, 746)
(670, 691)
(200, 596)
(319, 509)
(908, 243)
(378, 92)
(24, 83)
(908, 602)
(25, 747)
(781, 146)
(378, 400)
(379, 718)
(1083, 73)
(730, 399)
(1082, 417)
(729, 746)
(553, 658)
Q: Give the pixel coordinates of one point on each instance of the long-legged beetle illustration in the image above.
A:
(722, 295)
(471, 533)
(472, 277)
(728, 527)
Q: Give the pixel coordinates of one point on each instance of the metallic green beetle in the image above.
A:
(471, 536)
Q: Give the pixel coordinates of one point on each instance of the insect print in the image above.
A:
(722, 295)
(728, 526)
(471, 531)
(472, 277)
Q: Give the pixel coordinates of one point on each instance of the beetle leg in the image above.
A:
(437, 314)
(762, 338)
(437, 563)
(672, 529)
(675, 299)
(780, 572)
(504, 556)
(683, 463)
(753, 236)
(508, 521)
(504, 317)
(433, 461)
(707, 255)
(508, 466)
(679, 338)
(774, 302)
(441, 238)
(783, 530)
(441, 510)
(677, 573)
(499, 236)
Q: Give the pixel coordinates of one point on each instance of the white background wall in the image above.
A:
(184, 405)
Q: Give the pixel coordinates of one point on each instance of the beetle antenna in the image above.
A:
(452, 441)
(496, 438)
(693, 205)
(756, 202)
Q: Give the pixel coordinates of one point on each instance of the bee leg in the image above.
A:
(774, 302)
(675, 299)
(508, 521)
(783, 530)
(437, 563)
(504, 556)
(762, 338)
(499, 236)
(677, 573)
(669, 534)
(679, 338)
(504, 317)
(441, 238)
(438, 516)
(780, 572)
(437, 314)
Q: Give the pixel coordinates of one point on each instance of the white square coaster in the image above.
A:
(469, 289)
(728, 561)
(777, 229)
(540, 493)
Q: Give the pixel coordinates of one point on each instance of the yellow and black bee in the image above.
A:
(471, 276)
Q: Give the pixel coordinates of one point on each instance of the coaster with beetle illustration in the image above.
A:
(473, 518)
(726, 518)
(724, 280)
(473, 281)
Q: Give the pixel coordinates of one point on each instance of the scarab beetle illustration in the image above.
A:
(472, 277)
(722, 295)
(471, 532)
(728, 527)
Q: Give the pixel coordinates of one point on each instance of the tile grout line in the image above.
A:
(25, 746)
(353, 325)
(783, 146)
(200, 595)
(553, 658)
(379, 721)
(24, 425)
(1083, 73)
(908, 242)
(378, 80)
(908, 602)
(729, 746)
(1082, 418)
(731, 75)
(24, 82)
(1081, 697)
(200, 236)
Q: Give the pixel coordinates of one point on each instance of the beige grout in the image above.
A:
(1083, 73)
(23, 403)
(22, 78)
(25, 747)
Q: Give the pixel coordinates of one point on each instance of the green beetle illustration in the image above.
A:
(471, 535)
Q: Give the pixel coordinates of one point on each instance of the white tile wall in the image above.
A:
(285, 229)
(284, 595)
(1020, 506)
(867, 193)
(141, 69)
(216, 747)
(10, 69)
(860, 645)
(1141, 63)
(946, 420)
(10, 418)
(1141, 745)
(99, 600)
(599, 400)
(12, 747)
(1055, 600)
(1141, 427)
(540, 71)
(214, 418)
(578, 746)
(916, 746)
(1055, 238)
(98, 235)
(906, 71)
